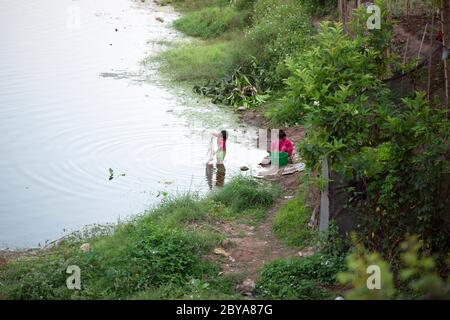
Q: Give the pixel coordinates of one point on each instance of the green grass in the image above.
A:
(156, 255)
(290, 224)
(202, 61)
(153, 251)
(244, 193)
(250, 37)
(213, 288)
(299, 278)
(210, 22)
(176, 210)
(138, 257)
(192, 5)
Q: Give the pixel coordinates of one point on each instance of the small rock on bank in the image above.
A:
(221, 252)
(246, 288)
(85, 247)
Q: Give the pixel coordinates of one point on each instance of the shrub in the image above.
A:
(40, 278)
(322, 81)
(210, 22)
(299, 278)
(417, 274)
(392, 153)
(407, 177)
(331, 242)
(320, 8)
(236, 90)
(244, 193)
(280, 28)
(244, 4)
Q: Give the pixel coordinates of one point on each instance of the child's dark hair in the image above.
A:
(281, 134)
(224, 134)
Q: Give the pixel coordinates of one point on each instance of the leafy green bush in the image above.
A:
(210, 22)
(417, 274)
(408, 176)
(320, 8)
(35, 279)
(280, 28)
(299, 278)
(378, 40)
(244, 4)
(322, 81)
(331, 242)
(393, 153)
(236, 90)
(244, 193)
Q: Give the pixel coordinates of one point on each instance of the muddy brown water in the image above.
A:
(76, 99)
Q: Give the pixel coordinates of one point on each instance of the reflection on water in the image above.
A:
(77, 101)
(219, 172)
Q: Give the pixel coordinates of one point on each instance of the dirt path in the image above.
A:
(247, 248)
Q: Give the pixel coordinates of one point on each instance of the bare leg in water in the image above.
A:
(209, 174)
(220, 175)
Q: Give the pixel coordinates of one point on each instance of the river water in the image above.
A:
(80, 93)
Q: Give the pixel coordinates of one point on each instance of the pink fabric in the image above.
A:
(284, 145)
(221, 144)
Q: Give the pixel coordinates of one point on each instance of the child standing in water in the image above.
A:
(222, 137)
(221, 152)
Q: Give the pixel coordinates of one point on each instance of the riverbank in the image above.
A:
(232, 239)
(290, 64)
(251, 238)
(188, 247)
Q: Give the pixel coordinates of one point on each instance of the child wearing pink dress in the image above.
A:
(222, 137)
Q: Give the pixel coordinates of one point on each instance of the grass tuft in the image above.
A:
(244, 193)
(290, 224)
(210, 22)
(299, 278)
(194, 62)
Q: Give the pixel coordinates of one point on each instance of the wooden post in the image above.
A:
(324, 199)
(404, 62)
(445, 29)
(430, 58)
(421, 43)
(343, 13)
